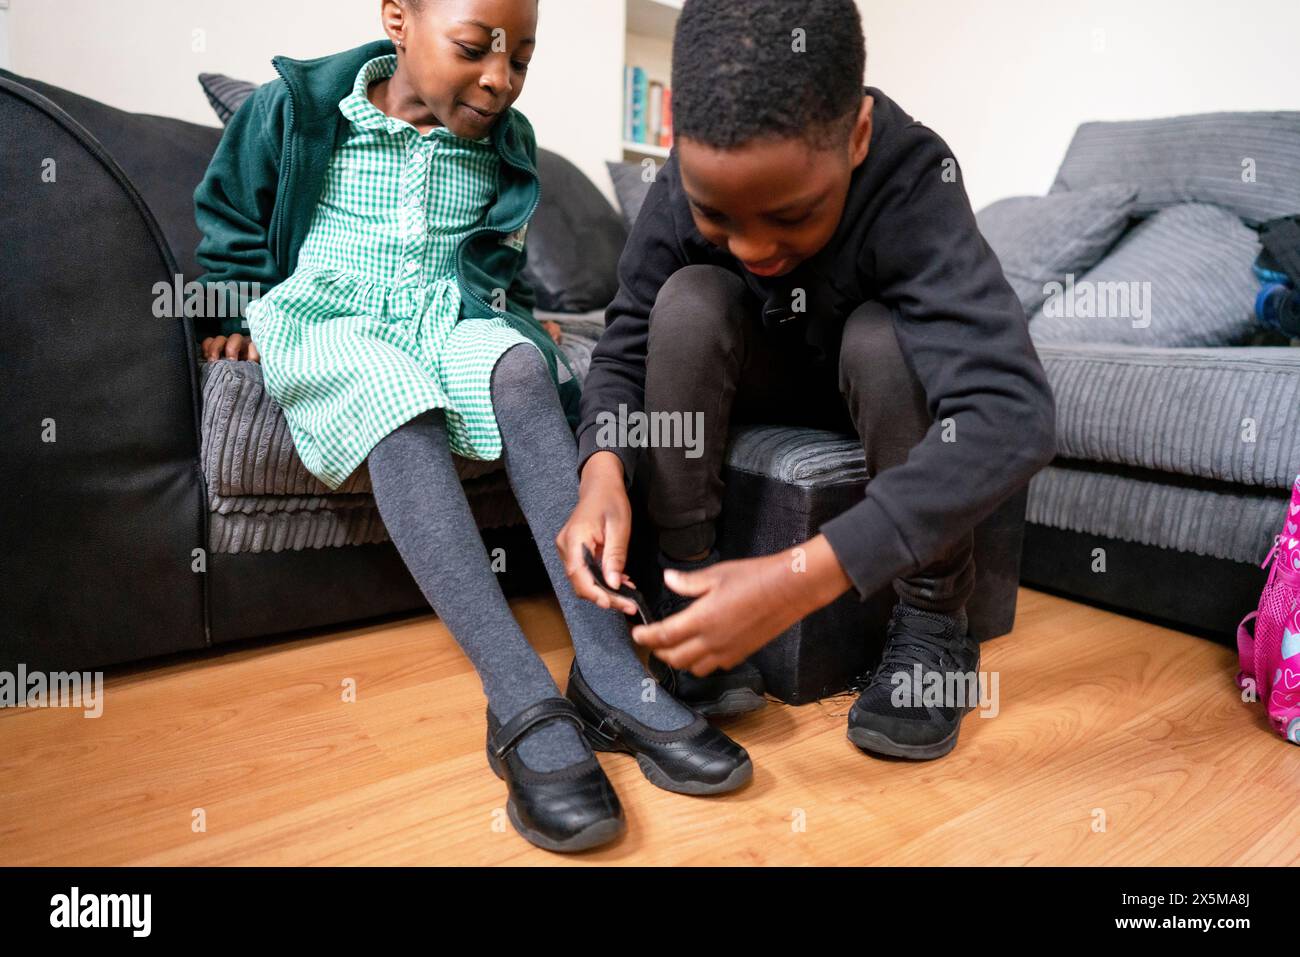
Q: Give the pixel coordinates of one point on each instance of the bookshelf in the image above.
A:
(648, 43)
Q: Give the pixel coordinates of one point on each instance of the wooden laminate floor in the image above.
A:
(1115, 742)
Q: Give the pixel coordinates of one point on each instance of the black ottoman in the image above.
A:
(782, 483)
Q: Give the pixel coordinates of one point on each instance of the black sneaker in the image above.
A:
(902, 717)
(722, 693)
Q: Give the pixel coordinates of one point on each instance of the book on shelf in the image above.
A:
(629, 103)
(654, 112)
(666, 129)
(647, 109)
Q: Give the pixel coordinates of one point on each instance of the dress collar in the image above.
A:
(356, 106)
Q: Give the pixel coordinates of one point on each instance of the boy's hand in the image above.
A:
(602, 521)
(742, 605)
(553, 328)
(237, 346)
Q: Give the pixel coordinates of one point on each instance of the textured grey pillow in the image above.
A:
(1180, 278)
(1040, 239)
(630, 187)
(1246, 162)
(225, 93)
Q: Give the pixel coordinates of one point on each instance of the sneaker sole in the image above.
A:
(602, 832)
(879, 743)
(730, 703)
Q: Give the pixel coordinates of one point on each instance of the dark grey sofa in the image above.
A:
(170, 513)
(1174, 463)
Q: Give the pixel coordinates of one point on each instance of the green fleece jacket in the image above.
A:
(257, 199)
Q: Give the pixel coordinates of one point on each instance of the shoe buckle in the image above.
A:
(606, 726)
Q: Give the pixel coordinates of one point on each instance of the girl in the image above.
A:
(384, 193)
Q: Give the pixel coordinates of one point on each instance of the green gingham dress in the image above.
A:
(364, 335)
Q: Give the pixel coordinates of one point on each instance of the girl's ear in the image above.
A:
(393, 16)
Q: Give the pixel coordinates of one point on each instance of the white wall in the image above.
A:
(1005, 82)
(145, 55)
(5, 62)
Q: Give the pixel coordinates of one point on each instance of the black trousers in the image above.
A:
(710, 357)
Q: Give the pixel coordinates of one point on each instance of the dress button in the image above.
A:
(412, 265)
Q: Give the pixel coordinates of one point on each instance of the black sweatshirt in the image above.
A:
(907, 238)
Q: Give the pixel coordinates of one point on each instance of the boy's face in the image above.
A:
(466, 59)
(772, 203)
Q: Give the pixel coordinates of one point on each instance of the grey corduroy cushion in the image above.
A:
(798, 456)
(1040, 239)
(803, 457)
(225, 94)
(1246, 162)
(1180, 278)
(247, 449)
(1221, 521)
(273, 523)
(1226, 415)
(262, 499)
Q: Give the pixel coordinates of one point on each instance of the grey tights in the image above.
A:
(424, 508)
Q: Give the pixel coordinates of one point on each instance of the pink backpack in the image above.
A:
(1270, 658)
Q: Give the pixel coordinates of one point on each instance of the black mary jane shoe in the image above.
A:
(572, 809)
(696, 759)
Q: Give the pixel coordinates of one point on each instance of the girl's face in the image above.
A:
(466, 60)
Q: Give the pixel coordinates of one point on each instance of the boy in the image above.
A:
(808, 255)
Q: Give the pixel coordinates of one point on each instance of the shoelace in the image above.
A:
(907, 646)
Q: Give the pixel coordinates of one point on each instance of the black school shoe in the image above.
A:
(572, 809)
(722, 693)
(911, 727)
(696, 759)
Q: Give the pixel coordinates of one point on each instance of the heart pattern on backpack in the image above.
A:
(1269, 652)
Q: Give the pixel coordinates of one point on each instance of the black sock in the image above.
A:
(689, 565)
(669, 602)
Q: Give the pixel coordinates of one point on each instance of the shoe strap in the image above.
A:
(510, 733)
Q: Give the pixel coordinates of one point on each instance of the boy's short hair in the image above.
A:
(752, 69)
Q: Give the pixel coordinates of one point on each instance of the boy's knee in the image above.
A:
(886, 400)
(698, 306)
(870, 355)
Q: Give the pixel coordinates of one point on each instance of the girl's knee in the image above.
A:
(416, 432)
(520, 368)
